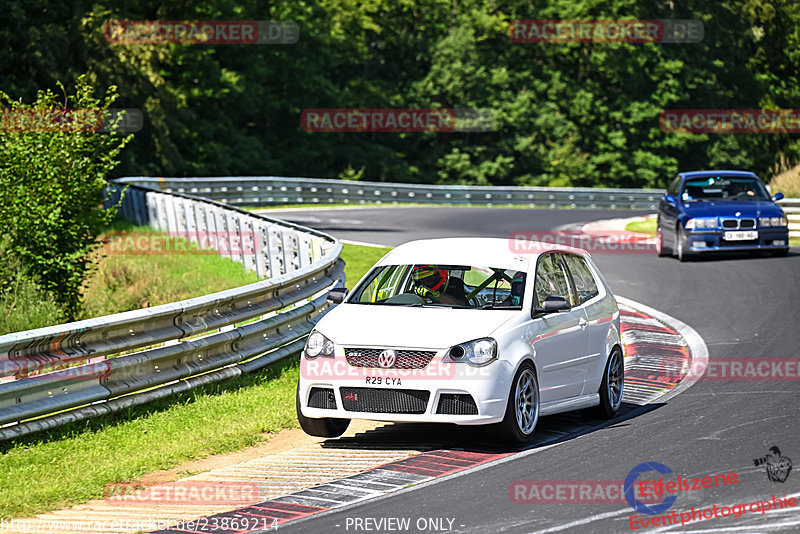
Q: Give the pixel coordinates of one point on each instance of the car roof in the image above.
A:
(700, 174)
(517, 254)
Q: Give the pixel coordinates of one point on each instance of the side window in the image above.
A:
(585, 284)
(674, 187)
(552, 279)
(384, 282)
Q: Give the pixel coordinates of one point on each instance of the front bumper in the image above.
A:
(714, 241)
(369, 393)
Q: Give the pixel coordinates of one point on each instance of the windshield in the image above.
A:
(454, 286)
(723, 188)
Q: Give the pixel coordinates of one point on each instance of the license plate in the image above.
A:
(740, 236)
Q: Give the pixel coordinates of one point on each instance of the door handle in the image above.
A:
(582, 323)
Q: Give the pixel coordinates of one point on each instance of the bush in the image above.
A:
(23, 304)
(52, 186)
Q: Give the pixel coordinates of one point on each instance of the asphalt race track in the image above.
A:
(742, 306)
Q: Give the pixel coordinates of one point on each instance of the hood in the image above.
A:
(401, 326)
(728, 208)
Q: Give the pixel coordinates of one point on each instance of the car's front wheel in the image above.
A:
(522, 408)
(661, 248)
(325, 427)
(681, 244)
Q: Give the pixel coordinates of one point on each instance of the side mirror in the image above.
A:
(777, 196)
(553, 304)
(670, 199)
(338, 294)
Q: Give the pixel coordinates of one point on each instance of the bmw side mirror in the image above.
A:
(670, 199)
(338, 294)
(553, 304)
(777, 196)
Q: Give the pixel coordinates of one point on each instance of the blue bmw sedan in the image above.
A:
(706, 211)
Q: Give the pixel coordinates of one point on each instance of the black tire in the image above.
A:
(661, 247)
(325, 427)
(611, 387)
(681, 244)
(524, 390)
(780, 253)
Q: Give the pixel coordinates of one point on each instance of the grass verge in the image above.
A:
(127, 278)
(647, 226)
(73, 463)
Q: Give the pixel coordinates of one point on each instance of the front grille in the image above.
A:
(375, 400)
(738, 223)
(322, 398)
(456, 404)
(404, 359)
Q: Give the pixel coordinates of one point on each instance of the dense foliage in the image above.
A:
(581, 114)
(52, 185)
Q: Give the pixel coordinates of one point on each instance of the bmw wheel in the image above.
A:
(522, 408)
(662, 249)
(681, 244)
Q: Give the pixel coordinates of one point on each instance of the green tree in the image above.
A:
(53, 182)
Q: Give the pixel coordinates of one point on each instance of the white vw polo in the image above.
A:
(465, 331)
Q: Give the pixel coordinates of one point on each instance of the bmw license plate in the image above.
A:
(740, 236)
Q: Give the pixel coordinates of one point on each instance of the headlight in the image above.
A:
(772, 221)
(476, 353)
(318, 345)
(702, 222)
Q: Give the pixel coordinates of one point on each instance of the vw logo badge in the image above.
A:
(387, 358)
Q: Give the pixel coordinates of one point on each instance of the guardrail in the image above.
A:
(791, 206)
(70, 372)
(275, 190)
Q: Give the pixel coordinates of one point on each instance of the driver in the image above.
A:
(433, 283)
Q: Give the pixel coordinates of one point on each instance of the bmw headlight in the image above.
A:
(702, 222)
(772, 221)
(477, 353)
(318, 345)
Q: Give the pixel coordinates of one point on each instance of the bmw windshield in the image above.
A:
(722, 187)
(454, 286)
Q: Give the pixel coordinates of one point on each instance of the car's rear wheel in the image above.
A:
(522, 408)
(325, 427)
(611, 386)
(681, 244)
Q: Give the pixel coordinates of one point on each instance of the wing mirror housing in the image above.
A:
(337, 295)
(777, 197)
(553, 304)
(670, 199)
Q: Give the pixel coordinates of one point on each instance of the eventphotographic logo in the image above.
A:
(387, 358)
(630, 496)
(777, 466)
